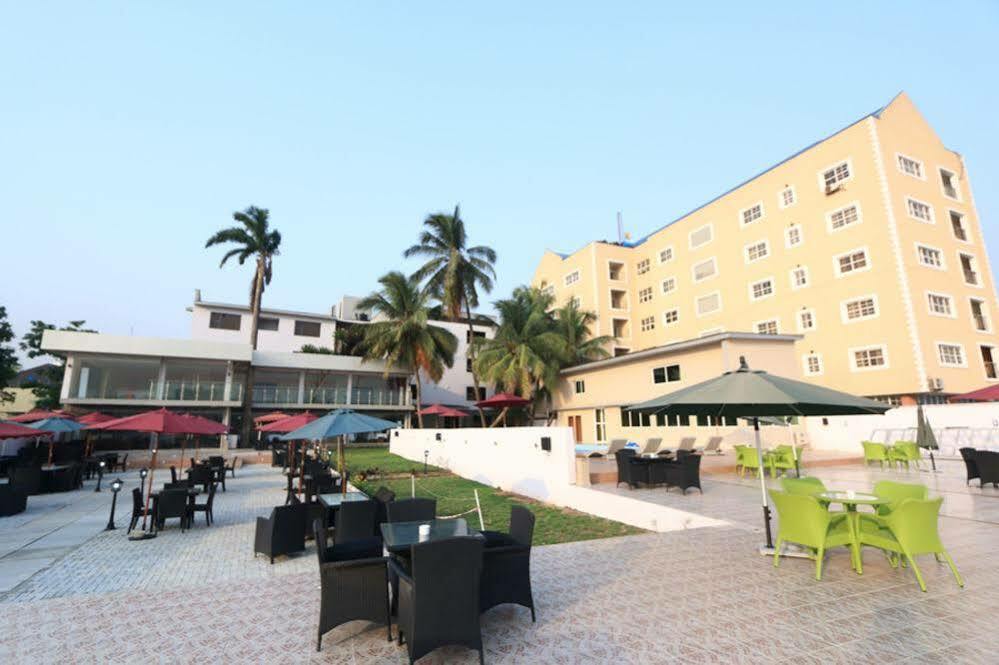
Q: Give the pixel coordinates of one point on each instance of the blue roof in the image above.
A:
(876, 114)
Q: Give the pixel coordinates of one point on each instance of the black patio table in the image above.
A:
(192, 492)
(654, 467)
(399, 536)
(332, 501)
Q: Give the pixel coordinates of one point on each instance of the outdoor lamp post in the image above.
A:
(426, 455)
(115, 488)
(100, 475)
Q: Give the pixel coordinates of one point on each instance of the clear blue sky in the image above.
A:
(129, 132)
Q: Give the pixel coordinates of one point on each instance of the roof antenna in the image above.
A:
(620, 228)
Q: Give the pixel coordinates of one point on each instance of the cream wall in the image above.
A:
(887, 235)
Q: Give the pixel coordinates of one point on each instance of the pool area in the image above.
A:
(587, 448)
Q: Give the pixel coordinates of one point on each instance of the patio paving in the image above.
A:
(701, 595)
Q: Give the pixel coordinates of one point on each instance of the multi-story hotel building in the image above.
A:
(866, 244)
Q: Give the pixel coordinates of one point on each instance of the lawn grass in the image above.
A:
(456, 495)
(363, 459)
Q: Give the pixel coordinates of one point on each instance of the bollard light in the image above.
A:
(115, 488)
(100, 475)
(426, 455)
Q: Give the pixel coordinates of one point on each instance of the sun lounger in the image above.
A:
(652, 445)
(615, 445)
(686, 443)
(713, 445)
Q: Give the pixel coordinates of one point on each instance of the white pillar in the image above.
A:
(67, 377)
(161, 380)
(350, 389)
(301, 387)
(227, 388)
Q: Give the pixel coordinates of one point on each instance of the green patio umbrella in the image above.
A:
(925, 438)
(747, 393)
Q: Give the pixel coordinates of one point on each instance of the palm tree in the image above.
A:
(252, 237)
(526, 353)
(403, 336)
(573, 326)
(455, 272)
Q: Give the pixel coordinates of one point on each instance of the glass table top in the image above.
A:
(336, 498)
(403, 534)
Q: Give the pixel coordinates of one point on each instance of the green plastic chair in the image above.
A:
(750, 461)
(904, 452)
(782, 459)
(875, 452)
(908, 531)
(740, 453)
(810, 486)
(898, 492)
(802, 520)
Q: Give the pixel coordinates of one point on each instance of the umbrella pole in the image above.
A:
(301, 474)
(342, 463)
(183, 448)
(763, 483)
(152, 469)
(51, 448)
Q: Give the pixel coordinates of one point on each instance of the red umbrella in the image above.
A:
(986, 394)
(94, 418)
(271, 417)
(502, 401)
(207, 426)
(12, 431)
(38, 414)
(441, 410)
(289, 424)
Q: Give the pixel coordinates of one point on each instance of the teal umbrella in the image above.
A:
(338, 424)
(57, 426)
(925, 438)
(747, 393)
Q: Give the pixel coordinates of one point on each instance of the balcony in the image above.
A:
(336, 395)
(275, 394)
(194, 391)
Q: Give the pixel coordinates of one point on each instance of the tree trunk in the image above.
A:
(471, 356)
(258, 290)
(419, 399)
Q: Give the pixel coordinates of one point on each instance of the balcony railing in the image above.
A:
(326, 395)
(275, 394)
(194, 391)
(376, 396)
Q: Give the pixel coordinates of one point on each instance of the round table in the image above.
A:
(850, 501)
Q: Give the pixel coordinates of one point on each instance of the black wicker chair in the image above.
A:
(201, 475)
(628, 469)
(62, 480)
(28, 479)
(170, 504)
(119, 464)
(383, 496)
(136, 507)
(506, 564)
(684, 473)
(230, 468)
(353, 590)
(279, 456)
(355, 535)
(439, 600)
(13, 500)
(205, 507)
(968, 455)
(411, 510)
(987, 463)
(173, 475)
(281, 533)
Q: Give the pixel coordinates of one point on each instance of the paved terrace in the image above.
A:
(695, 596)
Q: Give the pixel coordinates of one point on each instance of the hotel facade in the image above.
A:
(866, 247)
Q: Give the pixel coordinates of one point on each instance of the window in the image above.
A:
(468, 365)
(669, 285)
(940, 304)
(756, 251)
(930, 257)
(751, 214)
(799, 277)
(648, 323)
(470, 394)
(618, 299)
(702, 236)
(670, 317)
(580, 386)
(813, 364)
(769, 327)
(600, 424)
(988, 361)
(645, 295)
(919, 210)
(806, 320)
(615, 270)
(850, 262)
(705, 269)
(667, 374)
(575, 301)
(872, 357)
(860, 308)
(910, 166)
(761, 289)
(787, 197)
(708, 304)
(844, 217)
(958, 227)
(477, 333)
(548, 291)
(666, 255)
(835, 176)
(267, 323)
(572, 278)
(793, 236)
(968, 265)
(307, 328)
(978, 315)
(643, 266)
(948, 182)
(223, 321)
(951, 355)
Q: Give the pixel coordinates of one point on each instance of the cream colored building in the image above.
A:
(591, 398)
(867, 244)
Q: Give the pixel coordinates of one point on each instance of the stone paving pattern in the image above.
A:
(697, 596)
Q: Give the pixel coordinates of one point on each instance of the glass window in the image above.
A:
(224, 321)
(643, 266)
(843, 217)
(325, 388)
(307, 328)
(116, 378)
(835, 175)
(267, 323)
(193, 380)
(752, 214)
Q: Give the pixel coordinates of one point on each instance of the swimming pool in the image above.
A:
(587, 448)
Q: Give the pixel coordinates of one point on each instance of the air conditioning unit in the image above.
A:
(833, 188)
(936, 384)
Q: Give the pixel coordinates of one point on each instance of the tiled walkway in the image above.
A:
(688, 596)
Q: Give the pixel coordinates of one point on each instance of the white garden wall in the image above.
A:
(511, 459)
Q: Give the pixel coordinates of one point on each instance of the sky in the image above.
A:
(130, 132)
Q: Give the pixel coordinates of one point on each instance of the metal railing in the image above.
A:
(194, 391)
